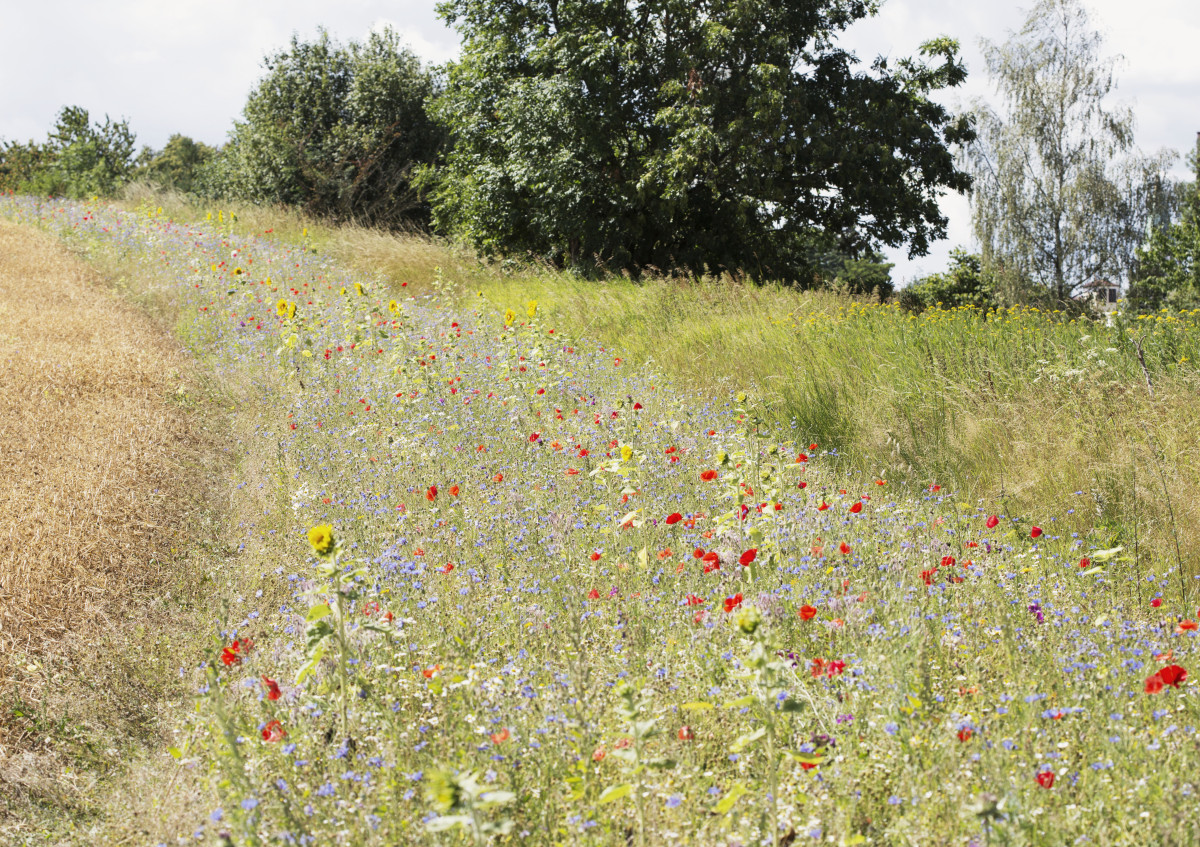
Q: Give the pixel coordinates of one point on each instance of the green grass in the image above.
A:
(1022, 407)
(571, 709)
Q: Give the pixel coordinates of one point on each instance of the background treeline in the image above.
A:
(721, 138)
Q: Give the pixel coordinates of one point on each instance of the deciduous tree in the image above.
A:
(699, 135)
(1060, 196)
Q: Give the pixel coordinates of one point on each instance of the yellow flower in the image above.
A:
(509, 317)
(321, 539)
(291, 310)
(281, 308)
(393, 307)
(358, 288)
(626, 453)
(531, 307)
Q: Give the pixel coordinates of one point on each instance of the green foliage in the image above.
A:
(715, 136)
(866, 274)
(336, 130)
(177, 164)
(79, 159)
(965, 283)
(1059, 197)
(1168, 272)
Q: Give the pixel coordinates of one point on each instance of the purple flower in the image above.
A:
(1037, 612)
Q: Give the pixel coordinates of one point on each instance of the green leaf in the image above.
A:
(175, 752)
(792, 705)
(732, 796)
(661, 764)
(614, 793)
(318, 611)
(445, 822)
(1105, 555)
(1092, 570)
(739, 703)
(747, 740)
(697, 706)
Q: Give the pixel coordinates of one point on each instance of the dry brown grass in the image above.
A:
(102, 478)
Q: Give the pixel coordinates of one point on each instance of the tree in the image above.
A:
(1058, 194)
(79, 159)
(965, 283)
(1168, 268)
(693, 135)
(176, 165)
(335, 129)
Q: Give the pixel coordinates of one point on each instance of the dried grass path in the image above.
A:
(98, 450)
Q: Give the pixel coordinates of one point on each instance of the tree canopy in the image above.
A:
(335, 129)
(80, 158)
(698, 135)
(1168, 268)
(1060, 198)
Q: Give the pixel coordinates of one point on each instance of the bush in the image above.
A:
(79, 159)
(336, 130)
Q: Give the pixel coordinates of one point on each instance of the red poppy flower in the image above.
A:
(431, 494)
(965, 734)
(498, 737)
(1186, 626)
(948, 561)
(272, 687)
(674, 518)
(593, 594)
(571, 472)
(812, 447)
(802, 485)
(1034, 532)
(498, 478)
(818, 667)
(1046, 779)
(1154, 684)
(856, 507)
(1172, 675)
(233, 654)
(801, 459)
(711, 557)
(733, 602)
(454, 490)
(686, 734)
(749, 556)
(595, 557)
(430, 671)
(992, 521)
(273, 732)
(845, 548)
(533, 437)
(935, 488)
(823, 506)
(1084, 562)
(807, 612)
(1156, 602)
(446, 568)
(708, 476)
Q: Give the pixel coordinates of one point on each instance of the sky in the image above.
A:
(187, 66)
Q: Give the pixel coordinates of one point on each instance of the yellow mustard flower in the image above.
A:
(281, 308)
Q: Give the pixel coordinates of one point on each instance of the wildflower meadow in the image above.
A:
(498, 584)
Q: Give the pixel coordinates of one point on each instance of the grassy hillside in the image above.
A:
(483, 580)
(1022, 409)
